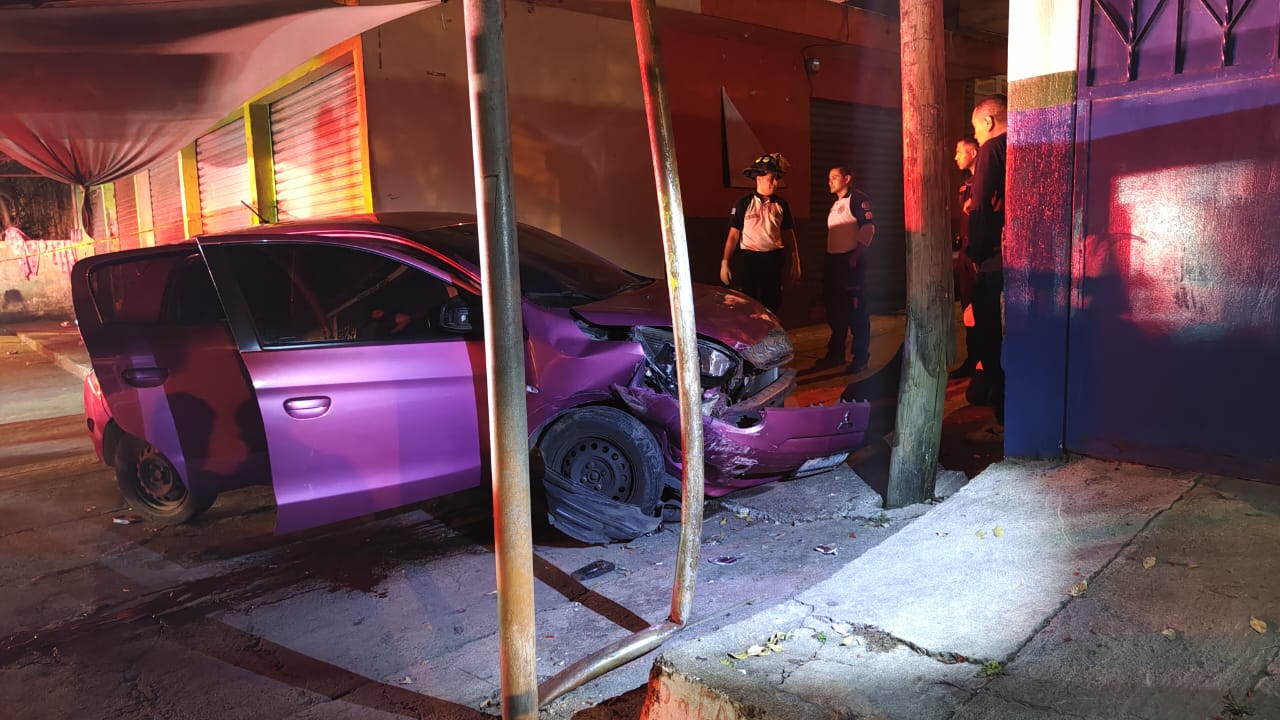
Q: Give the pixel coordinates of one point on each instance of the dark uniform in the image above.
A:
(844, 280)
(986, 234)
(761, 219)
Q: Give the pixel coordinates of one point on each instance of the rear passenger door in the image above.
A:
(368, 402)
(167, 364)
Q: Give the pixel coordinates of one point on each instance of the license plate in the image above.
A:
(822, 463)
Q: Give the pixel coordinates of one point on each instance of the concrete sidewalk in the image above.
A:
(1080, 590)
(58, 341)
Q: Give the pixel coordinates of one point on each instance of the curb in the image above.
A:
(59, 359)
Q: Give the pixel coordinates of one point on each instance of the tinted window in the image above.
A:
(303, 294)
(553, 271)
(170, 288)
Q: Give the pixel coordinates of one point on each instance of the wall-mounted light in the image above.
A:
(812, 66)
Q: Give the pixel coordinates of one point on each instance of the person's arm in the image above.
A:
(789, 240)
(730, 245)
(988, 182)
(865, 234)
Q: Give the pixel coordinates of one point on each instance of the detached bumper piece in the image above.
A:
(587, 516)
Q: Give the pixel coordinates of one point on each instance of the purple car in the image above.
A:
(342, 362)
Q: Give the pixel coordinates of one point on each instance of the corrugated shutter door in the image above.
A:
(127, 213)
(166, 202)
(222, 165)
(869, 139)
(98, 228)
(315, 138)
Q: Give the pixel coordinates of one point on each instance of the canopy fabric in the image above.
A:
(93, 91)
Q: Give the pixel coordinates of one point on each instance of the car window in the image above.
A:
(554, 272)
(155, 289)
(314, 293)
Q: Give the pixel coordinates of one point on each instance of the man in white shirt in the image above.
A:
(762, 237)
(850, 229)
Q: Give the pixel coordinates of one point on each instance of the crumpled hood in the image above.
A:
(730, 317)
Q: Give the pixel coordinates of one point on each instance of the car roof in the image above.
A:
(407, 221)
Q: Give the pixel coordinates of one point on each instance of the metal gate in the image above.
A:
(166, 202)
(127, 213)
(1174, 334)
(869, 140)
(222, 166)
(316, 149)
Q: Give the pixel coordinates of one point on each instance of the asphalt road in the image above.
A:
(387, 616)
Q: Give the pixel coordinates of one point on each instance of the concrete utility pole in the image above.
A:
(504, 357)
(922, 391)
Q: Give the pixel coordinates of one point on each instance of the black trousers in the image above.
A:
(759, 274)
(847, 314)
(988, 335)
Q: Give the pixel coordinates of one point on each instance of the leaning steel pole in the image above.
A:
(504, 356)
(922, 392)
(680, 293)
(666, 177)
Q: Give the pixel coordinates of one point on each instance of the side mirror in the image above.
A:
(455, 315)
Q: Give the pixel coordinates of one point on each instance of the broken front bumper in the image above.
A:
(746, 449)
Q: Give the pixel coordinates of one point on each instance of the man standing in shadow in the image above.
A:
(986, 234)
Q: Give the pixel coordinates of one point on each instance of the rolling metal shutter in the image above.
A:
(98, 206)
(315, 138)
(166, 202)
(127, 213)
(869, 140)
(222, 165)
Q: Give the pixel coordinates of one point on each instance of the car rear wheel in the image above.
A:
(153, 487)
(604, 475)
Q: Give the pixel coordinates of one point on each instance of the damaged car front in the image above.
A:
(750, 436)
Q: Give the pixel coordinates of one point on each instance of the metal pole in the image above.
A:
(680, 292)
(504, 356)
(666, 177)
(922, 393)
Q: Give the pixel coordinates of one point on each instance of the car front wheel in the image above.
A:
(604, 475)
(153, 487)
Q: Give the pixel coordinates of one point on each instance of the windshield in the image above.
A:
(553, 271)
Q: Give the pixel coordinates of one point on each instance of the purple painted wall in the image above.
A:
(1037, 271)
(1174, 327)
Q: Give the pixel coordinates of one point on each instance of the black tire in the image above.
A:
(152, 486)
(606, 453)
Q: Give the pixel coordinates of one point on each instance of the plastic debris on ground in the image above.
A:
(593, 570)
(725, 559)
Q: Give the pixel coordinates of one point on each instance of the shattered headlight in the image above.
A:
(713, 362)
(716, 363)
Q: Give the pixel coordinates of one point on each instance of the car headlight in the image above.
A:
(715, 362)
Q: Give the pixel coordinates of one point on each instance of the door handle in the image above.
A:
(144, 377)
(306, 408)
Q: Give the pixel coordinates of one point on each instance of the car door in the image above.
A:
(367, 401)
(167, 364)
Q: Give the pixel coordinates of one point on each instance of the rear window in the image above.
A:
(170, 288)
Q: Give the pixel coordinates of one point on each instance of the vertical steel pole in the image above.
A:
(922, 393)
(679, 288)
(680, 293)
(504, 356)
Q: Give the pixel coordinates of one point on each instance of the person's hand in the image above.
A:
(726, 275)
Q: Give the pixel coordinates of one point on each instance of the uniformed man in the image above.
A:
(850, 229)
(762, 236)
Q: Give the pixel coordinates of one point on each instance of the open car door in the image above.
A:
(370, 386)
(168, 367)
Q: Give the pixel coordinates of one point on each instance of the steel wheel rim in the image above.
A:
(599, 465)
